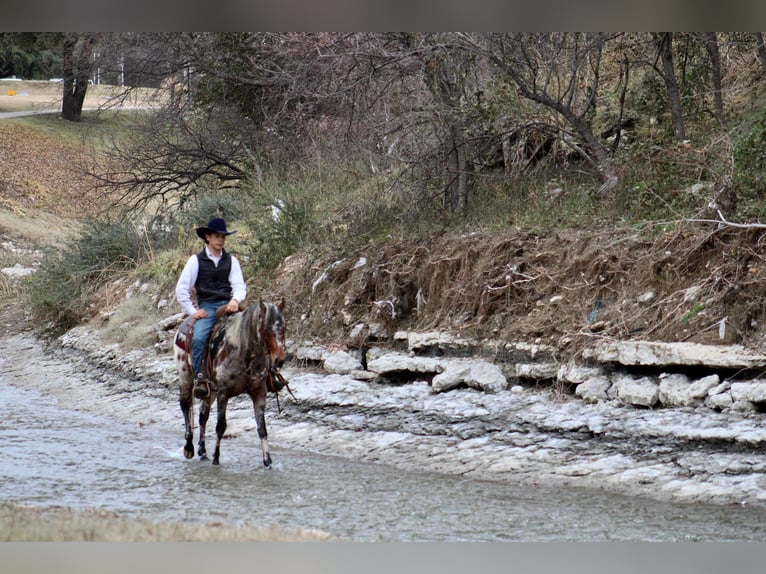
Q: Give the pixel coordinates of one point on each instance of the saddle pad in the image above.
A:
(184, 334)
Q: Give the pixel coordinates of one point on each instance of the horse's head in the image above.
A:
(272, 332)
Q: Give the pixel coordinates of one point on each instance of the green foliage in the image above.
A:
(60, 292)
(691, 313)
(282, 220)
(230, 204)
(30, 55)
(750, 155)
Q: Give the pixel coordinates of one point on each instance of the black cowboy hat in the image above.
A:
(215, 225)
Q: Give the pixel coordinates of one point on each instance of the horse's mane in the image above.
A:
(242, 328)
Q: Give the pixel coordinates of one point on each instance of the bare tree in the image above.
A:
(246, 95)
(560, 71)
(77, 61)
(761, 49)
(664, 42)
(711, 44)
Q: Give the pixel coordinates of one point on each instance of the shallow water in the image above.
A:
(56, 456)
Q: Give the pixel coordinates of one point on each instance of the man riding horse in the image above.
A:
(216, 277)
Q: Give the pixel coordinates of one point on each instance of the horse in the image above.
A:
(245, 352)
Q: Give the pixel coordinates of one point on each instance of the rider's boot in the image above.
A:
(201, 388)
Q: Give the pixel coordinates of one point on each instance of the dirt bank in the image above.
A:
(686, 281)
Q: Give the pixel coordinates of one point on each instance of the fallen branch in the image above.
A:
(723, 221)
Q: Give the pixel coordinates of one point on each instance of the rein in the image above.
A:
(275, 381)
(281, 383)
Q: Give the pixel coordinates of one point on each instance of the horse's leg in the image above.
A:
(204, 414)
(259, 406)
(220, 426)
(186, 408)
(187, 402)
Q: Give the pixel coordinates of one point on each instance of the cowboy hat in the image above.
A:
(215, 225)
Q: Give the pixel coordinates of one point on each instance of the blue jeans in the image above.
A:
(202, 328)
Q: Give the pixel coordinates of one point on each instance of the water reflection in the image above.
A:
(54, 456)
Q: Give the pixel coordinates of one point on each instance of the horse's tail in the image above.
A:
(183, 340)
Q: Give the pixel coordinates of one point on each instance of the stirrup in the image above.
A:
(201, 389)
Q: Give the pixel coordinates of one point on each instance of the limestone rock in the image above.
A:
(642, 392)
(719, 401)
(310, 352)
(476, 374)
(677, 390)
(437, 340)
(341, 363)
(656, 353)
(594, 390)
(674, 390)
(751, 391)
(571, 372)
(537, 371)
(399, 362)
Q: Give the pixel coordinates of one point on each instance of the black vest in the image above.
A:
(213, 282)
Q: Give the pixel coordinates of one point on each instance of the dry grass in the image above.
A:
(19, 523)
(36, 95)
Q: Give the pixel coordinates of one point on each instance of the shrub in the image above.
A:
(283, 219)
(61, 291)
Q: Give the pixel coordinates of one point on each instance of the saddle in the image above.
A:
(185, 336)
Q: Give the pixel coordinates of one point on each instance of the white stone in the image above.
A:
(477, 374)
(537, 371)
(594, 390)
(571, 372)
(639, 392)
(677, 390)
(341, 363)
(674, 390)
(17, 271)
(361, 375)
(701, 387)
(646, 297)
(310, 353)
(719, 388)
(691, 294)
(437, 339)
(357, 331)
(397, 362)
(719, 401)
(655, 353)
(751, 391)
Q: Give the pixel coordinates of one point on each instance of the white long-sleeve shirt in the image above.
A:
(189, 277)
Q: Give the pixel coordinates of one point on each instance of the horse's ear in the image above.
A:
(263, 306)
(281, 305)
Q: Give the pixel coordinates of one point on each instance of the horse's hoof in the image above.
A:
(188, 453)
(215, 462)
(203, 457)
(267, 461)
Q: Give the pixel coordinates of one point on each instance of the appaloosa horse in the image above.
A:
(246, 351)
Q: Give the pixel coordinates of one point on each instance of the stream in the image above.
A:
(54, 454)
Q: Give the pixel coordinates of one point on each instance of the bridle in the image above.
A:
(275, 381)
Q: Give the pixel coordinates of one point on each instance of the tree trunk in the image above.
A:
(711, 43)
(456, 190)
(761, 49)
(76, 67)
(671, 85)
